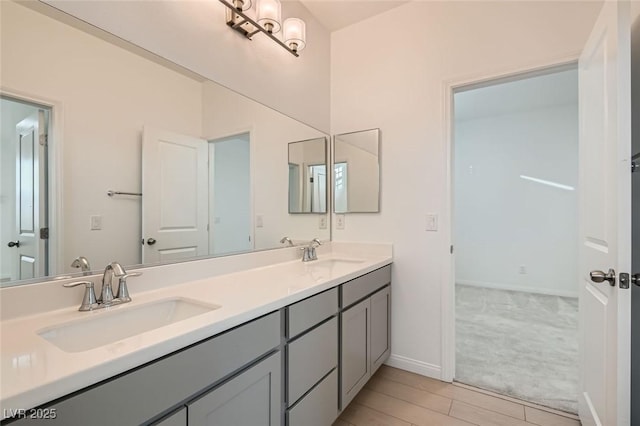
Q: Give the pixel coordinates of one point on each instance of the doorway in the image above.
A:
(515, 235)
(230, 195)
(24, 232)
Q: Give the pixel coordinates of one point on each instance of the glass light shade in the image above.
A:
(295, 34)
(242, 5)
(269, 15)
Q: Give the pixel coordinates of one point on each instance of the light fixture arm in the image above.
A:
(238, 24)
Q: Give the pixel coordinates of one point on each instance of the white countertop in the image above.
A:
(33, 371)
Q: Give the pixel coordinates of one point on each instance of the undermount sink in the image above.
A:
(110, 326)
(337, 262)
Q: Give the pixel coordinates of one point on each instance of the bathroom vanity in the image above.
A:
(297, 359)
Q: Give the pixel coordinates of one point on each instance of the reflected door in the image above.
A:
(29, 248)
(174, 196)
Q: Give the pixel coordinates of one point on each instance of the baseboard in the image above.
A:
(513, 287)
(415, 366)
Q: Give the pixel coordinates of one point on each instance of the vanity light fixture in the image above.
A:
(268, 22)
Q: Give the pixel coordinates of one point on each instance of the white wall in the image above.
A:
(194, 34)
(503, 222)
(399, 87)
(270, 133)
(102, 123)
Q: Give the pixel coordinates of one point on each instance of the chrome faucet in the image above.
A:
(82, 263)
(309, 252)
(106, 299)
(106, 294)
(286, 240)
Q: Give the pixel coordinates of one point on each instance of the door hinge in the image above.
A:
(634, 167)
(44, 233)
(44, 139)
(451, 249)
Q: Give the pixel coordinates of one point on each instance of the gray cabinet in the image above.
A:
(380, 328)
(250, 398)
(142, 395)
(355, 347)
(365, 341)
(311, 396)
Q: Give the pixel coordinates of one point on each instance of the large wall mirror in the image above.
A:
(105, 149)
(356, 172)
(308, 176)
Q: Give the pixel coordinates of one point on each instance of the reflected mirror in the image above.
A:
(112, 153)
(308, 176)
(356, 172)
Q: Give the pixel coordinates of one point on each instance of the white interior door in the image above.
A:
(605, 218)
(30, 249)
(174, 196)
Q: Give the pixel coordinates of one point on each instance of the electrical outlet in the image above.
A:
(259, 221)
(340, 221)
(322, 222)
(96, 223)
(522, 269)
(432, 222)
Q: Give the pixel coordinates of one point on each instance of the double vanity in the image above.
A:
(260, 338)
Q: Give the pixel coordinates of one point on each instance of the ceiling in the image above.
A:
(337, 14)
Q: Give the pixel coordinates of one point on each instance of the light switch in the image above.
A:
(259, 222)
(322, 222)
(432, 222)
(96, 223)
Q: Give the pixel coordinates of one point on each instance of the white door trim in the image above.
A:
(447, 293)
(55, 164)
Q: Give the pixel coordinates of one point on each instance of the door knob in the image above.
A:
(151, 241)
(14, 244)
(599, 276)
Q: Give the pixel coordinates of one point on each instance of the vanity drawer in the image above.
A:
(311, 357)
(311, 311)
(359, 288)
(141, 394)
(319, 407)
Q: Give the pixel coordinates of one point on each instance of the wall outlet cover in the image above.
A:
(340, 219)
(259, 221)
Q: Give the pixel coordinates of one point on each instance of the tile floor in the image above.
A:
(518, 344)
(396, 397)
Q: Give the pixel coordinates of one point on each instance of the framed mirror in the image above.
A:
(308, 176)
(125, 156)
(356, 172)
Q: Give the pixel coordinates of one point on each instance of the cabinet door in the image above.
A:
(251, 398)
(380, 319)
(356, 368)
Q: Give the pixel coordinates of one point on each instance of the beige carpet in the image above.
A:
(518, 344)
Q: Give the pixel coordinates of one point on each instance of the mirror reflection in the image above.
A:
(308, 176)
(357, 172)
(194, 168)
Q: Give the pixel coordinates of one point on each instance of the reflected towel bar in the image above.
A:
(111, 193)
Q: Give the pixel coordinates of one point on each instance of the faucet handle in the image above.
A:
(89, 301)
(123, 291)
